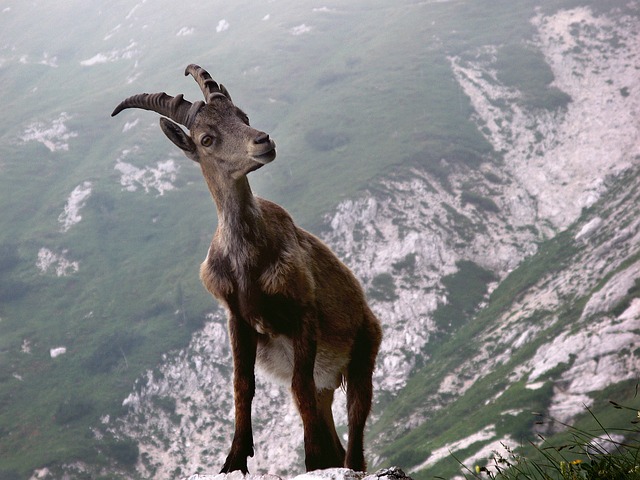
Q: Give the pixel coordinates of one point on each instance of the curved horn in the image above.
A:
(210, 88)
(176, 108)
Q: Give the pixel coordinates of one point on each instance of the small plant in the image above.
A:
(611, 454)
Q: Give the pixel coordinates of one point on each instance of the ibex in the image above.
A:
(293, 308)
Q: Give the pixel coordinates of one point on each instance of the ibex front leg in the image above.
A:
(243, 346)
(319, 447)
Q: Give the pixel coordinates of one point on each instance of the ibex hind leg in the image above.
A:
(336, 454)
(323, 449)
(360, 389)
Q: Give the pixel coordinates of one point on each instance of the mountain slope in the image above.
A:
(567, 312)
(475, 163)
(423, 247)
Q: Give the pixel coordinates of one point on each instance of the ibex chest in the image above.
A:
(269, 314)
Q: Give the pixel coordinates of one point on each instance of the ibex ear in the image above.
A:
(179, 138)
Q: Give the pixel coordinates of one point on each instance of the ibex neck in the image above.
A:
(239, 218)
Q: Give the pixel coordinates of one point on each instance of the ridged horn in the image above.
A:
(210, 88)
(176, 108)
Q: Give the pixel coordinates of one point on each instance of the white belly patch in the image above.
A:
(275, 358)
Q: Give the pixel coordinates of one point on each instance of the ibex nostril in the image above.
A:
(262, 138)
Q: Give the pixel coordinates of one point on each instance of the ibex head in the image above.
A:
(219, 136)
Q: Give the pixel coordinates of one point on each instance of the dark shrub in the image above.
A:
(483, 203)
(112, 351)
(125, 452)
(383, 288)
(72, 410)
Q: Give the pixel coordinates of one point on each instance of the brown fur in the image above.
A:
(311, 326)
(293, 308)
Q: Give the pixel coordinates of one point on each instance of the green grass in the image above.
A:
(603, 445)
(466, 288)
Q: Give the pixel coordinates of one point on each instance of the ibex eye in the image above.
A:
(206, 141)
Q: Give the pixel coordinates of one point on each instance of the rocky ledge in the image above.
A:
(393, 473)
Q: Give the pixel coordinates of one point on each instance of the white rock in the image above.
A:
(40, 473)
(237, 475)
(129, 52)
(589, 229)
(54, 136)
(56, 352)
(77, 199)
(331, 474)
(534, 385)
(63, 266)
(438, 454)
(159, 178)
(612, 292)
(222, 26)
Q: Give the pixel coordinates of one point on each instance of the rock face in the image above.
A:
(547, 153)
(558, 167)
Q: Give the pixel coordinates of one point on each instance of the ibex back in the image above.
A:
(293, 307)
